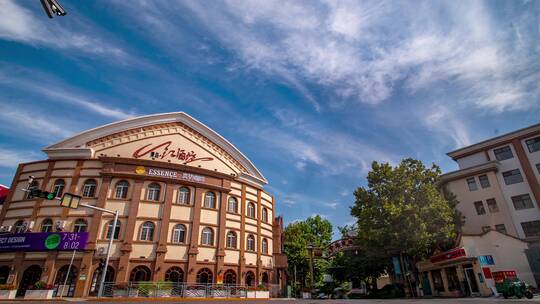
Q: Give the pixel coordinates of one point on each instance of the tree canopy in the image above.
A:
(403, 209)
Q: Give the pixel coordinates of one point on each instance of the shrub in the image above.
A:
(41, 286)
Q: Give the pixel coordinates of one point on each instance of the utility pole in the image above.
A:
(311, 280)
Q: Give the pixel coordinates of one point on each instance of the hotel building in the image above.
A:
(498, 188)
(192, 209)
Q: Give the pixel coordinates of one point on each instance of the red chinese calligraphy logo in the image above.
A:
(164, 151)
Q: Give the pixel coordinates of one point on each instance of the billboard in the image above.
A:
(43, 241)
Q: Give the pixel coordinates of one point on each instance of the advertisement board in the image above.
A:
(43, 241)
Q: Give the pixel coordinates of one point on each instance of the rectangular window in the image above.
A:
(484, 181)
(522, 202)
(492, 205)
(533, 144)
(479, 206)
(503, 153)
(512, 177)
(531, 228)
(472, 184)
(501, 228)
(486, 228)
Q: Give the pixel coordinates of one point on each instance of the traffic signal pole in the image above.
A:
(104, 271)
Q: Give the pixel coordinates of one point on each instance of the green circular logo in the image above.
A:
(52, 241)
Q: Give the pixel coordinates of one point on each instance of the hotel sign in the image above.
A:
(43, 241)
(170, 174)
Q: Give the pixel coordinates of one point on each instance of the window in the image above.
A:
(479, 206)
(147, 231)
(492, 205)
(501, 228)
(486, 228)
(179, 234)
(80, 225)
(33, 185)
(231, 239)
(512, 177)
(484, 181)
(522, 202)
(47, 225)
(250, 243)
(533, 144)
(265, 246)
(58, 189)
(207, 236)
(233, 205)
(110, 229)
(452, 278)
(210, 200)
(19, 226)
(472, 184)
(503, 153)
(531, 228)
(251, 210)
(89, 188)
(121, 189)
(153, 192)
(265, 215)
(183, 196)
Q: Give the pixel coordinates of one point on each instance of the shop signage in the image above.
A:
(43, 241)
(449, 255)
(486, 260)
(169, 174)
(165, 151)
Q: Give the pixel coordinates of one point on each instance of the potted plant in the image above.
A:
(8, 291)
(258, 292)
(40, 290)
(306, 293)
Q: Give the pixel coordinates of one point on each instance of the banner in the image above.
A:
(43, 241)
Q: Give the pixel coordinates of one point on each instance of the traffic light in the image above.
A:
(70, 200)
(52, 7)
(34, 192)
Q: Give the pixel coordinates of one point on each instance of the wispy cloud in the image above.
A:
(442, 120)
(10, 158)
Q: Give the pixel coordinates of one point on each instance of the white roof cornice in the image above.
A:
(79, 140)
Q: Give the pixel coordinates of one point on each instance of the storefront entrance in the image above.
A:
(68, 289)
(30, 276)
(472, 284)
(426, 287)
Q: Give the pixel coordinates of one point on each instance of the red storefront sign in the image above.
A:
(487, 272)
(499, 276)
(449, 255)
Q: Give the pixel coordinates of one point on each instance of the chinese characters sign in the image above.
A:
(165, 151)
(43, 241)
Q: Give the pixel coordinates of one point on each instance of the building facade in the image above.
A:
(192, 208)
(498, 187)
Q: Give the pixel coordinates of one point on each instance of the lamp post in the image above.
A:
(310, 249)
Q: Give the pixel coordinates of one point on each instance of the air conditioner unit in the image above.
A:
(5, 229)
(60, 225)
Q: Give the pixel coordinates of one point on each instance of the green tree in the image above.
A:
(404, 210)
(298, 235)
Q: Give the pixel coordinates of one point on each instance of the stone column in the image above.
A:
(158, 273)
(194, 239)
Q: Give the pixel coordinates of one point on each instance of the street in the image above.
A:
(287, 301)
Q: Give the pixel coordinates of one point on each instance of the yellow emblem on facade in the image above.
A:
(140, 170)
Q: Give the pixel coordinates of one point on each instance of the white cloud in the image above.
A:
(332, 205)
(440, 119)
(10, 158)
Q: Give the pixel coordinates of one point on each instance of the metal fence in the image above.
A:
(171, 289)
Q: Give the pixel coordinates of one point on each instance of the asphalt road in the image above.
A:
(286, 301)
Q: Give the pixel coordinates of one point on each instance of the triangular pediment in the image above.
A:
(172, 138)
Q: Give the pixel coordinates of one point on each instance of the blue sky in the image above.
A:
(310, 91)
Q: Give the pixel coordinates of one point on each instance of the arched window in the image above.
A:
(4, 274)
(251, 210)
(19, 226)
(179, 234)
(110, 229)
(233, 205)
(140, 273)
(183, 196)
(96, 281)
(229, 278)
(265, 215)
(63, 276)
(250, 278)
(174, 274)
(210, 200)
(80, 225)
(147, 231)
(47, 225)
(250, 243)
(231, 239)
(33, 185)
(207, 237)
(153, 192)
(58, 188)
(89, 188)
(204, 276)
(264, 246)
(265, 278)
(121, 190)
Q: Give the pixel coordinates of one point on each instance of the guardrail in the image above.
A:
(172, 289)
